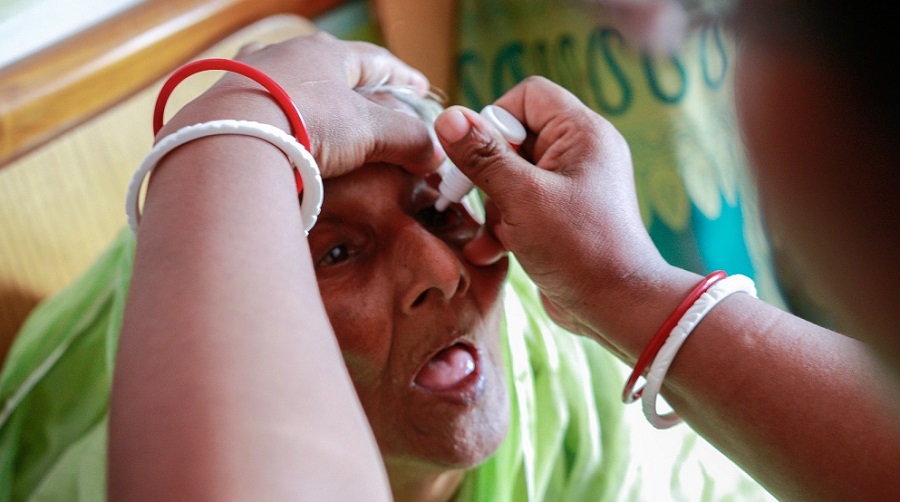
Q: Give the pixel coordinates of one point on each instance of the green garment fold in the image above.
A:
(55, 386)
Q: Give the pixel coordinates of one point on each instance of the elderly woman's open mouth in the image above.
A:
(453, 372)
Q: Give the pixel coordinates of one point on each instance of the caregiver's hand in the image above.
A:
(320, 73)
(567, 210)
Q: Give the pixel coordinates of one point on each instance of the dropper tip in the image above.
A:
(442, 203)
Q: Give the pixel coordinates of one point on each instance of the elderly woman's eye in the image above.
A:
(335, 255)
(442, 221)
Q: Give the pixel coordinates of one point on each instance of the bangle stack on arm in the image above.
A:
(660, 352)
(297, 148)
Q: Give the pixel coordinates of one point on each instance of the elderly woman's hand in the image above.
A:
(320, 73)
(570, 217)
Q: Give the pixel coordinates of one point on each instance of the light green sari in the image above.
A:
(569, 436)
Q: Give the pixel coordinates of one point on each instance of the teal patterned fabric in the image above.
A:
(676, 111)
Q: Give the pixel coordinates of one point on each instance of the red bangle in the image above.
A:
(298, 127)
(629, 394)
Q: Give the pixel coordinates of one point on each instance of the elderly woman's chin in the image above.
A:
(464, 443)
(456, 414)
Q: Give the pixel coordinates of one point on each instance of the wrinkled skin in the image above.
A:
(397, 291)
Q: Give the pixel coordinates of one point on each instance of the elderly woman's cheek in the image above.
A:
(360, 318)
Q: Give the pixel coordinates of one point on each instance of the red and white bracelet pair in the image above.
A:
(664, 345)
(297, 148)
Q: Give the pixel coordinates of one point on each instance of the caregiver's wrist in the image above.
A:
(627, 308)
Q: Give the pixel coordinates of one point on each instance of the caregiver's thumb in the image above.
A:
(482, 154)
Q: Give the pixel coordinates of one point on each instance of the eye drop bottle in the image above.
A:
(454, 184)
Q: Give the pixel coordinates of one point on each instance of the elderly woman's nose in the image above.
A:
(428, 270)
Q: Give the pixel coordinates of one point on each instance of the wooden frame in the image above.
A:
(48, 93)
(75, 120)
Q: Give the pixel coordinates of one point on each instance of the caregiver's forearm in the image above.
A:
(806, 411)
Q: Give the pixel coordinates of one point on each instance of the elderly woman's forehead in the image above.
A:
(371, 179)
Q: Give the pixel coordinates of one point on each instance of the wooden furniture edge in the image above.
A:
(62, 86)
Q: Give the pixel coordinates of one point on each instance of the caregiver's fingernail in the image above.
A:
(452, 125)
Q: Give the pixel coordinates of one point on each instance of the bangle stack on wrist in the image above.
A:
(307, 176)
(300, 158)
(668, 339)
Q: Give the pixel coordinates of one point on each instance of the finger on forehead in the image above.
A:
(398, 137)
(375, 65)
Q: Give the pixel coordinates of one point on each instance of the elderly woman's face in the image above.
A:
(418, 326)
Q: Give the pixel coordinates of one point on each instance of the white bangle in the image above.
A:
(300, 159)
(718, 292)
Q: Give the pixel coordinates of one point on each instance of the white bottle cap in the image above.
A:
(511, 129)
(454, 184)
